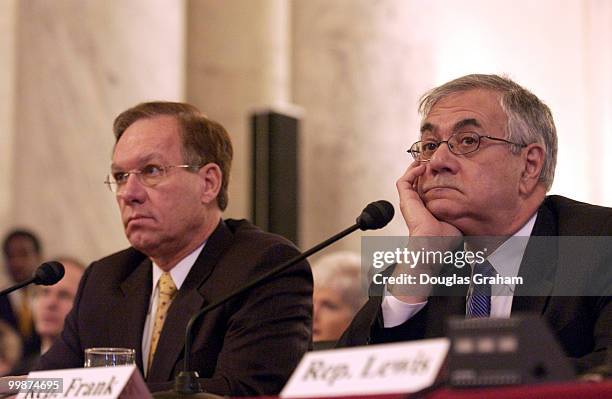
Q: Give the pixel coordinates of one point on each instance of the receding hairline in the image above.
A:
(427, 126)
(153, 109)
(176, 121)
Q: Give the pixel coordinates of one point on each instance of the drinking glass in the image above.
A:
(108, 357)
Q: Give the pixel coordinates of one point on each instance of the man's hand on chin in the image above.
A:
(426, 232)
(419, 220)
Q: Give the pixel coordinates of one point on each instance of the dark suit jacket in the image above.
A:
(249, 346)
(582, 324)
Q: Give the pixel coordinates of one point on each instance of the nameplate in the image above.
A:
(123, 382)
(368, 370)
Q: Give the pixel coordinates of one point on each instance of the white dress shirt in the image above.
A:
(506, 260)
(179, 274)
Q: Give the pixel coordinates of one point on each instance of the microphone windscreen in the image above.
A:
(48, 273)
(376, 215)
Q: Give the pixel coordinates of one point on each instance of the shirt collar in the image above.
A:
(506, 259)
(180, 271)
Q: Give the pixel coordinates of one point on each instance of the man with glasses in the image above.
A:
(169, 173)
(481, 171)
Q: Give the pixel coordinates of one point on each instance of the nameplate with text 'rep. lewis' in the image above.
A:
(123, 382)
(368, 370)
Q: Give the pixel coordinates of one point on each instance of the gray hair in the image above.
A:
(529, 119)
(341, 271)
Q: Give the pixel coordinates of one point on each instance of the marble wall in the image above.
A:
(78, 64)
(238, 59)
(8, 10)
(597, 20)
(358, 69)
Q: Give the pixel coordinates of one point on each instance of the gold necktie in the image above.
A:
(24, 316)
(166, 293)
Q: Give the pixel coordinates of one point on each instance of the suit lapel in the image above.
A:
(136, 291)
(538, 265)
(188, 301)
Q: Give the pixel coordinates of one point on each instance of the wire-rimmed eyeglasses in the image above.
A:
(149, 175)
(459, 144)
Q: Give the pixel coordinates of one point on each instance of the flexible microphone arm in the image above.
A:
(374, 216)
(186, 382)
(48, 273)
(16, 287)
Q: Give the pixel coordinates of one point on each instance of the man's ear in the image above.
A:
(211, 182)
(533, 157)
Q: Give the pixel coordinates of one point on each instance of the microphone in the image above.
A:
(48, 273)
(374, 216)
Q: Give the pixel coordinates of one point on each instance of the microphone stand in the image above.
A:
(17, 286)
(187, 381)
(374, 216)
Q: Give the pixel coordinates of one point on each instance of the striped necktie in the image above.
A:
(479, 302)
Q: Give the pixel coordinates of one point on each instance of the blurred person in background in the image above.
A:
(50, 305)
(10, 348)
(22, 254)
(337, 295)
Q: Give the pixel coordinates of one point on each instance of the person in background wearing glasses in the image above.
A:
(169, 173)
(483, 166)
